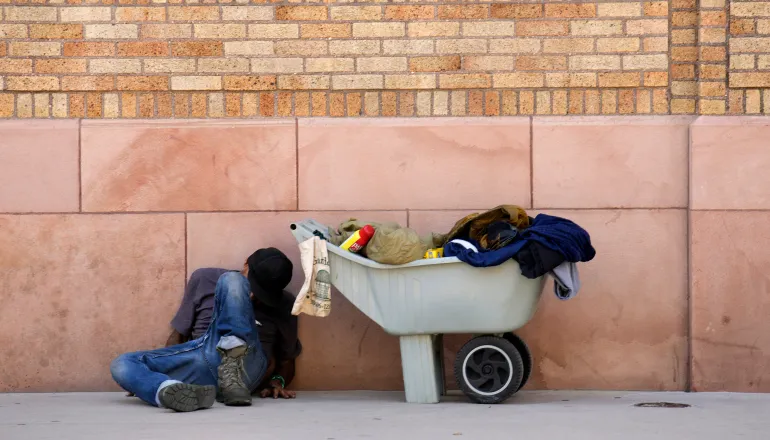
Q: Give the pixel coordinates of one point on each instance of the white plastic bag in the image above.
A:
(314, 297)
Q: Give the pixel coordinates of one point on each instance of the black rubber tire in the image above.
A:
(487, 365)
(526, 356)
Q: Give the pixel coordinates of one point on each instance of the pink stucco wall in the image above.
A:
(100, 223)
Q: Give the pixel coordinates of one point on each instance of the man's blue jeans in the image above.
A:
(196, 362)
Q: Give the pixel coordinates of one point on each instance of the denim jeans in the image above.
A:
(196, 362)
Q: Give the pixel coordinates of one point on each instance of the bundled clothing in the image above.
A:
(391, 243)
(475, 226)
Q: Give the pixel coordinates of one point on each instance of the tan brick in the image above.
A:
(684, 18)
(712, 35)
(525, 62)
(647, 27)
(6, 105)
(85, 14)
(510, 103)
(461, 46)
(568, 46)
(684, 88)
(753, 103)
(594, 62)
(464, 12)
(374, 30)
(24, 105)
(763, 61)
(630, 79)
(157, 13)
(83, 49)
(198, 109)
(300, 13)
(26, 49)
(389, 101)
(30, 13)
(620, 10)
(406, 104)
(248, 48)
(304, 48)
(683, 36)
(655, 44)
(742, 62)
(143, 49)
(542, 28)
(249, 104)
(60, 65)
(570, 10)
(575, 102)
(277, 65)
(164, 105)
(112, 31)
(56, 31)
(381, 64)
(645, 62)
(609, 102)
(335, 64)
(247, 13)
(326, 30)
(337, 104)
(656, 9)
(137, 83)
(220, 31)
(743, 27)
(503, 10)
(519, 80)
(277, 31)
(749, 45)
(354, 47)
(748, 79)
(692, 4)
(407, 13)
(488, 28)
(423, 103)
(655, 79)
(193, 13)
(596, 27)
(435, 64)
(115, 66)
(643, 102)
(223, 65)
(684, 54)
(459, 103)
(712, 89)
(465, 80)
(87, 83)
(543, 102)
(407, 82)
(197, 48)
(13, 31)
(440, 103)
(407, 47)
(357, 82)
(608, 45)
(434, 29)
(356, 13)
(216, 105)
(750, 9)
(515, 45)
(712, 107)
(371, 104)
(196, 83)
(564, 79)
(42, 105)
(593, 102)
(682, 71)
(8, 65)
(303, 82)
(488, 63)
(166, 31)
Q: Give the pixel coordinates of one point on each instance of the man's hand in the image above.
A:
(276, 390)
(175, 338)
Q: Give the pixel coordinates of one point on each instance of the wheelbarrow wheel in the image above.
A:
(489, 369)
(526, 356)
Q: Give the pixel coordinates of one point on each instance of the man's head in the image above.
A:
(269, 272)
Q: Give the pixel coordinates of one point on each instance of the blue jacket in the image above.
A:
(556, 233)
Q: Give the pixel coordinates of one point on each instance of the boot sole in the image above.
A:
(238, 402)
(184, 397)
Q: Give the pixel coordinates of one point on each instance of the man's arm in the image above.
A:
(175, 338)
(280, 380)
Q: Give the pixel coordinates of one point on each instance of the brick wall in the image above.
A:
(166, 58)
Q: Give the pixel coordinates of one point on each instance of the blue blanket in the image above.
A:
(556, 233)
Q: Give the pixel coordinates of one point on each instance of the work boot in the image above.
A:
(232, 389)
(183, 397)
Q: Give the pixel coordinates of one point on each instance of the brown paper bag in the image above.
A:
(314, 297)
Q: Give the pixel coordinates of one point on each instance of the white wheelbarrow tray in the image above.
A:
(421, 300)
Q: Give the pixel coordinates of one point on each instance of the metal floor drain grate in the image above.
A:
(661, 405)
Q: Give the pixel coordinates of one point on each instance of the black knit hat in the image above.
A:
(269, 273)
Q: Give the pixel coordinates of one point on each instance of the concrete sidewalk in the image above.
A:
(370, 415)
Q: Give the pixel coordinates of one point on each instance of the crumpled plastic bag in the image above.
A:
(391, 243)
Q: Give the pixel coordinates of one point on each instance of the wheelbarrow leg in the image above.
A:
(423, 378)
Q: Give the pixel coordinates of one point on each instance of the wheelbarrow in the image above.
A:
(423, 300)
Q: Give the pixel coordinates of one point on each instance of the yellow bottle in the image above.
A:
(434, 253)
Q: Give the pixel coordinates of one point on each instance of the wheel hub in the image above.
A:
(486, 369)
